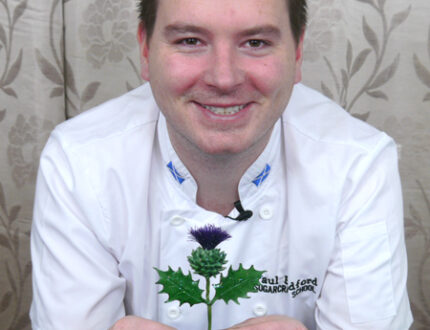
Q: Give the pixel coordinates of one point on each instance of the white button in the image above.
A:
(177, 221)
(173, 313)
(260, 310)
(266, 213)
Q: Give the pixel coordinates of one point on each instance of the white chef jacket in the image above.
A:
(114, 201)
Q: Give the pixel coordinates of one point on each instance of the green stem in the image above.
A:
(208, 281)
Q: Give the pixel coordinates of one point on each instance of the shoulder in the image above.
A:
(314, 117)
(331, 150)
(111, 120)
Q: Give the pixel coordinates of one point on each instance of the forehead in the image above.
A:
(223, 14)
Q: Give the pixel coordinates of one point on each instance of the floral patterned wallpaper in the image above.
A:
(59, 58)
(106, 33)
(375, 62)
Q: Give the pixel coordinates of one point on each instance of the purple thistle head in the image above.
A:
(209, 236)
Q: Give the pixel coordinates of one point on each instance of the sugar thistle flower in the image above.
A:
(208, 262)
(209, 236)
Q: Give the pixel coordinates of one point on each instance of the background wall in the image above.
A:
(59, 58)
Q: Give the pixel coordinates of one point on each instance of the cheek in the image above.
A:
(178, 74)
(269, 77)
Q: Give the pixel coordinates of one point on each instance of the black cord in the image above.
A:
(243, 214)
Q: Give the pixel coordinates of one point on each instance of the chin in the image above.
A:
(220, 149)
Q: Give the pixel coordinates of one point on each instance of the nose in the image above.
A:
(224, 69)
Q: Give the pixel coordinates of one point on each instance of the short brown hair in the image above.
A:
(297, 9)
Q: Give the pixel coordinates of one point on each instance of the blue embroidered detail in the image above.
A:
(175, 173)
(262, 176)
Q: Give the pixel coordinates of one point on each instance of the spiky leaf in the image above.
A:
(237, 284)
(180, 287)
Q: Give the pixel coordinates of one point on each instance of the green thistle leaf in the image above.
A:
(180, 287)
(237, 284)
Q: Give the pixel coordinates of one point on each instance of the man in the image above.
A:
(223, 119)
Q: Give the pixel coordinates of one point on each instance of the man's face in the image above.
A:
(221, 71)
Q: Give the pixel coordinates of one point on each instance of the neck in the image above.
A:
(218, 183)
(217, 176)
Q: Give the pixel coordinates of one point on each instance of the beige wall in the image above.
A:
(371, 56)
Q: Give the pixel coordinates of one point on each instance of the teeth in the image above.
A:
(224, 110)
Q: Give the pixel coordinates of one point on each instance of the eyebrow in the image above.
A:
(173, 29)
(262, 30)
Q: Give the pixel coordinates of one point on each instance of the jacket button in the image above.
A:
(266, 213)
(260, 310)
(173, 312)
(177, 221)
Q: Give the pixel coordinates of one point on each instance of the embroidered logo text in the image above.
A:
(282, 284)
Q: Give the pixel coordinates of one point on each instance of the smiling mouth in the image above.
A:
(224, 110)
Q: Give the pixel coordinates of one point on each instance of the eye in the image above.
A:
(189, 42)
(256, 43)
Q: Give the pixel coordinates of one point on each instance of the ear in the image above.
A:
(299, 58)
(144, 51)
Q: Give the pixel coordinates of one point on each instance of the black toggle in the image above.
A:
(243, 214)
